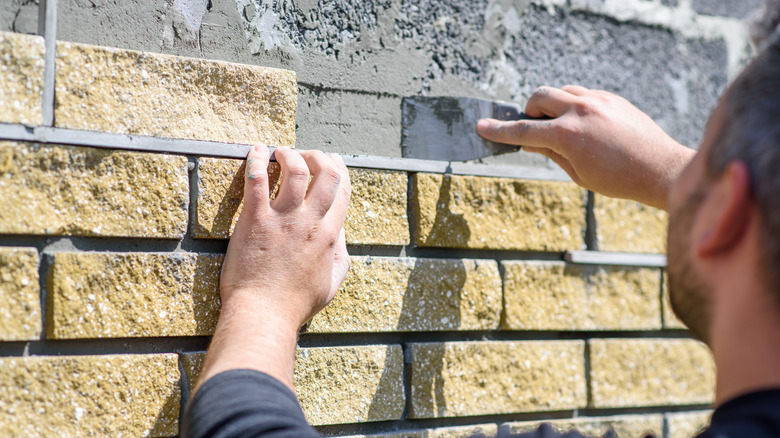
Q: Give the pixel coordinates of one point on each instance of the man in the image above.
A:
(287, 256)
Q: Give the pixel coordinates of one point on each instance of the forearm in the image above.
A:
(249, 337)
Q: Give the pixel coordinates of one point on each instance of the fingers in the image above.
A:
(539, 133)
(576, 90)
(325, 183)
(338, 210)
(295, 179)
(550, 102)
(341, 264)
(256, 178)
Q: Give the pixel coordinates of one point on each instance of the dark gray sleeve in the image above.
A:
(244, 403)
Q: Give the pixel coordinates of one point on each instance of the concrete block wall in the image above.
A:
(474, 303)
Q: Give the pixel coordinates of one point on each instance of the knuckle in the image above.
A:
(518, 129)
(298, 171)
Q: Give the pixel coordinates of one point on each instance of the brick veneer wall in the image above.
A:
(460, 313)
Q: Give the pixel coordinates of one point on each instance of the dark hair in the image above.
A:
(751, 133)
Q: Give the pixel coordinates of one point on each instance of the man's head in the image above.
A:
(743, 136)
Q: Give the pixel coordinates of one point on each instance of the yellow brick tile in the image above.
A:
(481, 378)
(113, 395)
(559, 296)
(497, 213)
(670, 319)
(20, 313)
(103, 295)
(64, 190)
(383, 294)
(650, 372)
(624, 426)
(131, 92)
(629, 226)
(687, 424)
(21, 78)
(481, 430)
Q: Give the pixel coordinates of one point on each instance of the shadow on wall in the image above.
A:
(447, 226)
(167, 421)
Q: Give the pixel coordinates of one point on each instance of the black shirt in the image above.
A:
(245, 403)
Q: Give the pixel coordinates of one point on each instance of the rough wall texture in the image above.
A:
(460, 315)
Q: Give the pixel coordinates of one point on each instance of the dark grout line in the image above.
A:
(82, 347)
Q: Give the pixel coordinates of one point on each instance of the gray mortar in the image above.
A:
(19, 16)
(356, 59)
(727, 8)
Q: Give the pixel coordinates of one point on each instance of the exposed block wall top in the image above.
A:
(103, 295)
(559, 296)
(481, 378)
(112, 395)
(629, 226)
(624, 426)
(21, 78)
(650, 372)
(20, 311)
(384, 294)
(64, 190)
(376, 215)
(341, 384)
(132, 92)
(497, 213)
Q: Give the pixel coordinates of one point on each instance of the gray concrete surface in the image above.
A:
(356, 59)
(19, 16)
(734, 8)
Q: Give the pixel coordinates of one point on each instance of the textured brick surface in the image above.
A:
(98, 295)
(650, 372)
(341, 384)
(125, 91)
(115, 395)
(559, 296)
(480, 431)
(20, 312)
(671, 321)
(624, 426)
(376, 215)
(629, 226)
(478, 378)
(92, 192)
(497, 213)
(220, 195)
(405, 294)
(21, 78)
(687, 424)
(377, 210)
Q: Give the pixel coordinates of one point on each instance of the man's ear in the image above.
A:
(730, 210)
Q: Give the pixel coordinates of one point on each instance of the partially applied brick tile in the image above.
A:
(63, 190)
(21, 78)
(20, 313)
(341, 384)
(384, 294)
(497, 213)
(671, 321)
(629, 226)
(481, 430)
(687, 424)
(103, 295)
(221, 194)
(559, 296)
(624, 426)
(376, 215)
(377, 209)
(131, 92)
(483, 378)
(650, 372)
(113, 395)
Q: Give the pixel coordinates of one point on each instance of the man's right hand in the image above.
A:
(601, 140)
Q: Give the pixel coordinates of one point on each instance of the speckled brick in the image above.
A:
(64, 190)
(687, 424)
(21, 78)
(341, 384)
(559, 296)
(671, 321)
(132, 92)
(629, 226)
(102, 295)
(624, 426)
(20, 313)
(497, 213)
(376, 215)
(112, 395)
(383, 294)
(480, 430)
(650, 372)
(483, 378)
